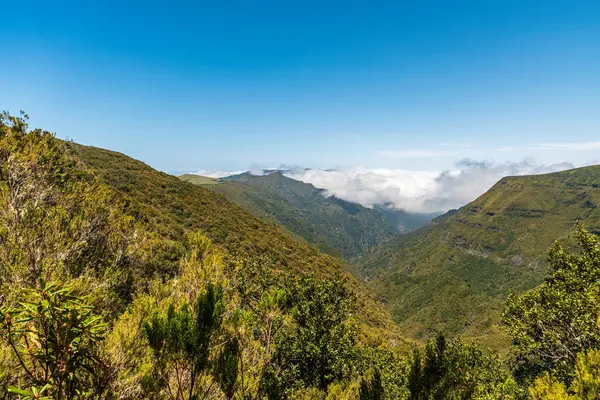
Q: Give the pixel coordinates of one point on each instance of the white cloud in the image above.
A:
(417, 191)
(410, 190)
(369, 187)
(216, 174)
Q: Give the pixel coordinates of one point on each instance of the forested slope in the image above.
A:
(455, 274)
(335, 226)
(172, 207)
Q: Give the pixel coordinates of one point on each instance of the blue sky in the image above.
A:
(224, 85)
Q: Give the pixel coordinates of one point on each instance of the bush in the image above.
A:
(54, 336)
(551, 324)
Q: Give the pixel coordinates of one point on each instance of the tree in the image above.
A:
(57, 221)
(181, 342)
(372, 389)
(392, 370)
(451, 369)
(54, 336)
(550, 325)
(227, 367)
(257, 316)
(319, 348)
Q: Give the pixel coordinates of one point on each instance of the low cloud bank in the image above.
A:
(417, 191)
(217, 174)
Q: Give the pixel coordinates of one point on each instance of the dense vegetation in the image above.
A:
(335, 226)
(169, 208)
(104, 296)
(455, 275)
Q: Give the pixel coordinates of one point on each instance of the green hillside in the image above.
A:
(199, 179)
(119, 281)
(455, 274)
(335, 226)
(173, 207)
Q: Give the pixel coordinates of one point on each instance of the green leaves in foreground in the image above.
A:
(553, 323)
(54, 337)
(455, 370)
(320, 346)
(182, 341)
(33, 393)
(372, 389)
(585, 386)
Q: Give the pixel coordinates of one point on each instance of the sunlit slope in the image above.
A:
(198, 179)
(174, 207)
(455, 274)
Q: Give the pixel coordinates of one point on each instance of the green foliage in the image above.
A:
(32, 393)
(54, 336)
(392, 368)
(547, 387)
(204, 301)
(8, 366)
(127, 351)
(454, 370)
(586, 383)
(227, 367)
(554, 322)
(171, 208)
(181, 343)
(319, 348)
(372, 389)
(455, 275)
(585, 386)
(57, 222)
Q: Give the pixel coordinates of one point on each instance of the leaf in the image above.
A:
(21, 392)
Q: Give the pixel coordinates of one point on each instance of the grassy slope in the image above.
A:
(198, 179)
(173, 207)
(337, 227)
(455, 275)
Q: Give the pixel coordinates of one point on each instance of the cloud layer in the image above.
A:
(417, 191)
(217, 174)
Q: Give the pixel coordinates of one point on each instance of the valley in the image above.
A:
(454, 274)
(337, 227)
(300, 200)
(176, 264)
